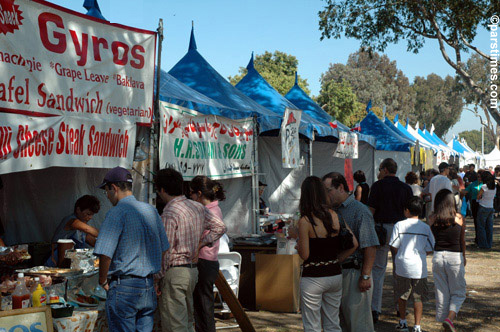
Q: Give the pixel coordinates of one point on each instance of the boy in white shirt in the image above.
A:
(411, 241)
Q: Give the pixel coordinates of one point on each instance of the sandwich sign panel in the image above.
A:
(28, 143)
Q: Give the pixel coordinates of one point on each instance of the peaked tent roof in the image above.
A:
(194, 71)
(493, 158)
(436, 141)
(175, 92)
(442, 143)
(398, 132)
(256, 87)
(457, 146)
(423, 143)
(386, 138)
(300, 98)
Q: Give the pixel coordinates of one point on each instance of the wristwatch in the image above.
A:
(365, 277)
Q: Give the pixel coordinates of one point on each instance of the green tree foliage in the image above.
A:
(452, 23)
(438, 101)
(278, 69)
(473, 138)
(479, 68)
(376, 77)
(341, 102)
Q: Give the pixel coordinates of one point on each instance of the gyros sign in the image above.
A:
(58, 62)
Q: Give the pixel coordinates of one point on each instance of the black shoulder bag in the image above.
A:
(346, 238)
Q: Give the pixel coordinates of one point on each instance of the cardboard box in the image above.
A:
(277, 279)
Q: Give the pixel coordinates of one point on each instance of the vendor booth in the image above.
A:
(66, 117)
(389, 144)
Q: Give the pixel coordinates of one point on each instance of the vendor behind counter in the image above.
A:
(75, 227)
(263, 208)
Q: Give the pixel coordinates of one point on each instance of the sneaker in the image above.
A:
(402, 327)
(448, 326)
(375, 315)
(417, 329)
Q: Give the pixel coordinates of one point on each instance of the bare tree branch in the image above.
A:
(475, 49)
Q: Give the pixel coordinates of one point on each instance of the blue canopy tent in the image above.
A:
(175, 92)
(398, 132)
(256, 87)
(389, 144)
(387, 139)
(300, 98)
(468, 156)
(240, 211)
(323, 161)
(283, 184)
(194, 71)
(433, 139)
(442, 143)
(423, 143)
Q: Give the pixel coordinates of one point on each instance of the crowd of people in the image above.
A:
(342, 285)
(170, 261)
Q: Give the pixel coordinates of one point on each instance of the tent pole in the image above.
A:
(311, 155)
(154, 135)
(255, 179)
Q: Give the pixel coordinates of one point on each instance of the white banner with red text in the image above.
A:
(198, 144)
(59, 62)
(290, 148)
(347, 147)
(28, 143)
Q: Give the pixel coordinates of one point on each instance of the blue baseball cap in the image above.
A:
(117, 174)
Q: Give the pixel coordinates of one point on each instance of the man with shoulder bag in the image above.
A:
(356, 270)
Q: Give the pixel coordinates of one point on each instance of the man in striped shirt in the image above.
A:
(185, 221)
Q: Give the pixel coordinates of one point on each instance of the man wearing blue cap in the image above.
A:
(130, 245)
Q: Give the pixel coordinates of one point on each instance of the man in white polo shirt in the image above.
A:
(440, 182)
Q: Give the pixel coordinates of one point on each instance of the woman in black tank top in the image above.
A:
(319, 247)
(362, 190)
(448, 263)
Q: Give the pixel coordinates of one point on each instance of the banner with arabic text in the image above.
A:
(198, 144)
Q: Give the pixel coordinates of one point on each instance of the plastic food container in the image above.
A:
(61, 310)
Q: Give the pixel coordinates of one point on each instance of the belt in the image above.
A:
(351, 265)
(190, 265)
(129, 276)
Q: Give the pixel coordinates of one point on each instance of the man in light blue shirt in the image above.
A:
(130, 245)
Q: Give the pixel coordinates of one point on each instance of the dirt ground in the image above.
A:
(480, 311)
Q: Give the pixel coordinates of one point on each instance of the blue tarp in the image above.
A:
(300, 99)
(175, 92)
(194, 71)
(386, 138)
(256, 87)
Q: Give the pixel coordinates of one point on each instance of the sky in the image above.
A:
(227, 31)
